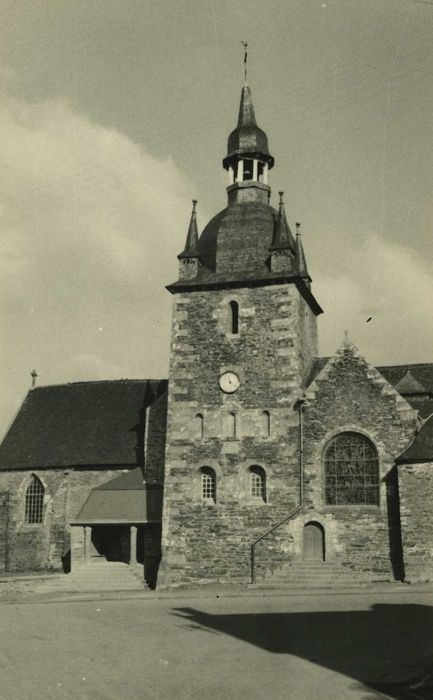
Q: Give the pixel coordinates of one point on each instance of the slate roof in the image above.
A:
(417, 388)
(421, 449)
(423, 373)
(80, 424)
(247, 138)
(409, 385)
(234, 250)
(125, 499)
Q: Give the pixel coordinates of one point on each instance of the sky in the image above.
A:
(114, 115)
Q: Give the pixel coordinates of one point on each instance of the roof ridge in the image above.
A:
(99, 381)
(406, 365)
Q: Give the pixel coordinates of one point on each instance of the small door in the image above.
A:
(314, 542)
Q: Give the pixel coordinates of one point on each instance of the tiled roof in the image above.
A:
(421, 449)
(80, 424)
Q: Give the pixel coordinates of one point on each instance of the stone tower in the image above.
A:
(244, 337)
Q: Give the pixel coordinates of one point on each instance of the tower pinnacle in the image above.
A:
(283, 238)
(191, 244)
(302, 262)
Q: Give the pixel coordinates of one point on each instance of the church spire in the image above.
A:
(248, 159)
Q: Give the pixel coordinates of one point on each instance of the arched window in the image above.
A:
(351, 471)
(229, 425)
(234, 318)
(258, 483)
(265, 424)
(199, 426)
(208, 484)
(34, 509)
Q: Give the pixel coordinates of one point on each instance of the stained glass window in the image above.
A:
(351, 471)
(34, 501)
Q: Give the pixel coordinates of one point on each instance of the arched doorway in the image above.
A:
(314, 542)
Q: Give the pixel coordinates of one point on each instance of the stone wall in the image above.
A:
(47, 545)
(351, 395)
(154, 437)
(272, 355)
(416, 506)
(203, 541)
(4, 527)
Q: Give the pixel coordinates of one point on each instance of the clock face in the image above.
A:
(229, 382)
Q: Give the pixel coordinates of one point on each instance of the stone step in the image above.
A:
(102, 576)
(298, 588)
(317, 575)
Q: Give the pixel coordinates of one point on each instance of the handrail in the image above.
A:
(300, 404)
(262, 537)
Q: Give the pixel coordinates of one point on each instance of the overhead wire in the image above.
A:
(296, 108)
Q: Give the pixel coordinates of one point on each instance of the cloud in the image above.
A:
(90, 227)
(388, 282)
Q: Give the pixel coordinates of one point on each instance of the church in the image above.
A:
(256, 460)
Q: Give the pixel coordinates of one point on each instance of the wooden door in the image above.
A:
(314, 542)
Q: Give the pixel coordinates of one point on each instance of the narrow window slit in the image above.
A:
(234, 317)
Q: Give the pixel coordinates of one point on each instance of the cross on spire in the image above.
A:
(33, 375)
(245, 45)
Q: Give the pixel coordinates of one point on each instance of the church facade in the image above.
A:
(258, 458)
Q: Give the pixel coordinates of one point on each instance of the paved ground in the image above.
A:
(361, 646)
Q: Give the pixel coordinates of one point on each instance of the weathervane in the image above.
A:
(245, 45)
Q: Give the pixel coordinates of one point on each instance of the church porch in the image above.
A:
(120, 522)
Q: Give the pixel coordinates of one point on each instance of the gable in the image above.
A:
(348, 392)
(394, 375)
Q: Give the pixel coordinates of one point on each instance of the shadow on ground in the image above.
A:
(387, 648)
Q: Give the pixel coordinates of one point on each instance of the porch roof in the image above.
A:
(127, 499)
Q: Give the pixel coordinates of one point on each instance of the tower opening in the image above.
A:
(234, 318)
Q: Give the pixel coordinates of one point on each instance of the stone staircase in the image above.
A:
(306, 575)
(102, 576)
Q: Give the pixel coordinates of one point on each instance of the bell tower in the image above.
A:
(243, 341)
(248, 160)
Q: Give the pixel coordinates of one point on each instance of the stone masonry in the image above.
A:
(416, 505)
(272, 355)
(31, 547)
